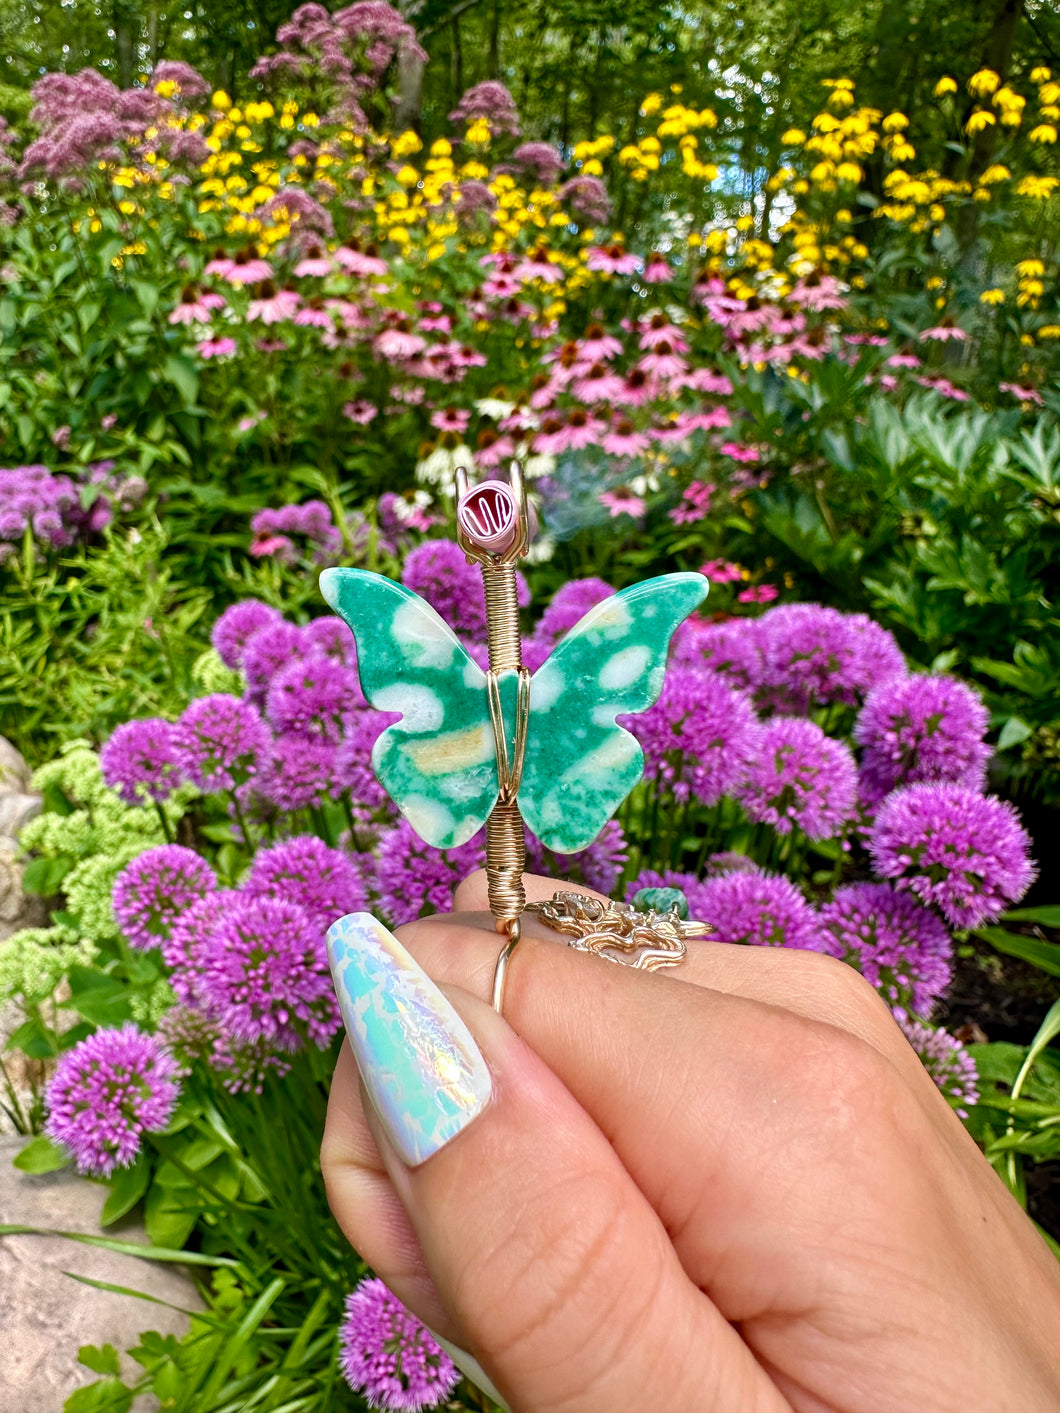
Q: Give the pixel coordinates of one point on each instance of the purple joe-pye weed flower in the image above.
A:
(237, 625)
(263, 974)
(139, 761)
(491, 101)
(154, 889)
(760, 909)
(947, 1062)
(964, 852)
(106, 1093)
(220, 742)
(796, 775)
(387, 1356)
(921, 728)
(587, 200)
(896, 943)
(324, 881)
(697, 735)
(411, 876)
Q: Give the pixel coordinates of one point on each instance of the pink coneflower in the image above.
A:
(398, 343)
(944, 332)
(493, 450)
(706, 380)
(314, 315)
(658, 330)
(273, 306)
(657, 271)
(316, 263)
(464, 356)
(622, 501)
(887, 381)
(758, 593)
(451, 419)
(501, 286)
(738, 452)
(624, 440)
(640, 388)
(196, 307)
(612, 260)
(270, 345)
(247, 268)
(216, 348)
(944, 388)
(578, 432)
(903, 360)
(597, 344)
(358, 262)
(538, 266)
(1024, 394)
(817, 292)
(360, 412)
(436, 324)
(694, 504)
(722, 571)
(598, 384)
(662, 361)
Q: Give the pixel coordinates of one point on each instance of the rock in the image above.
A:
(45, 1315)
(16, 810)
(17, 909)
(14, 772)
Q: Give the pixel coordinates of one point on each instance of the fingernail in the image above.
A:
(469, 1367)
(417, 1058)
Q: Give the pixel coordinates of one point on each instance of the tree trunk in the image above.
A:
(456, 59)
(493, 64)
(123, 19)
(410, 92)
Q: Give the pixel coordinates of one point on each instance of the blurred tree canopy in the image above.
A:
(575, 64)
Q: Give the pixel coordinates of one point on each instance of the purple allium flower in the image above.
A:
(877, 656)
(809, 654)
(108, 1091)
(298, 773)
(439, 572)
(761, 909)
(689, 884)
(237, 625)
(894, 941)
(947, 1062)
(492, 101)
(353, 764)
(196, 1039)
(190, 938)
(796, 775)
(263, 974)
(154, 889)
(921, 728)
(731, 649)
(220, 742)
(324, 881)
(331, 637)
(570, 603)
(729, 861)
(386, 1355)
(412, 876)
(313, 697)
(697, 735)
(967, 853)
(267, 651)
(598, 866)
(139, 761)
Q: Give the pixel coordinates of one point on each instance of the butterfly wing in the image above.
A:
(439, 762)
(580, 764)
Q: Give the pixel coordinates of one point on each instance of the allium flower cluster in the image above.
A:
(570, 603)
(731, 648)
(155, 889)
(814, 655)
(108, 1091)
(796, 775)
(412, 877)
(921, 728)
(139, 761)
(324, 881)
(697, 735)
(314, 697)
(438, 571)
(947, 1062)
(897, 944)
(964, 852)
(388, 1356)
(220, 742)
(760, 909)
(237, 625)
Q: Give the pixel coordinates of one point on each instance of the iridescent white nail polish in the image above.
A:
(419, 1062)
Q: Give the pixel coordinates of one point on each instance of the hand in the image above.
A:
(731, 1186)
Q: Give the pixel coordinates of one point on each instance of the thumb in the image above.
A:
(558, 1274)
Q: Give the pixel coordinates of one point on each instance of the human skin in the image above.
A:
(726, 1187)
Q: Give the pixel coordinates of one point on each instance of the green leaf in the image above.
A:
(123, 1248)
(1044, 955)
(40, 1155)
(182, 373)
(104, 1396)
(100, 1360)
(127, 1187)
(1046, 916)
(101, 999)
(170, 1212)
(43, 876)
(1013, 732)
(34, 1039)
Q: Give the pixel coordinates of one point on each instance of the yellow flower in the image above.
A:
(1050, 111)
(592, 168)
(221, 101)
(1049, 331)
(1030, 269)
(840, 98)
(945, 85)
(895, 122)
(406, 144)
(651, 104)
(848, 172)
(996, 172)
(407, 176)
(1041, 187)
(478, 133)
(822, 172)
(979, 120)
(992, 296)
(983, 83)
(166, 88)
(441, 148)
(234, 116)
(1040, 75)
(1050, 93)
(794, 137)
(1044, 132)
(935, 282)
(310, 120)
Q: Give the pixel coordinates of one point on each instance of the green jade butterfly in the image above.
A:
(439, 762)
